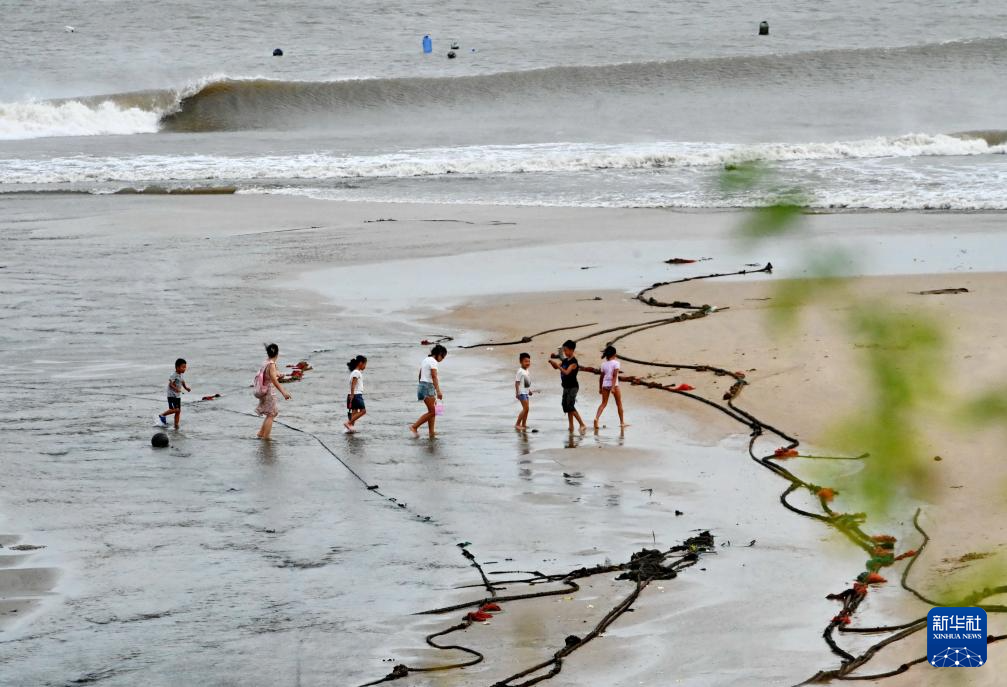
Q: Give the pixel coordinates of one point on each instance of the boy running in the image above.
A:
(175, 385)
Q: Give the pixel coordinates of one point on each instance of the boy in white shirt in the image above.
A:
(522, 390)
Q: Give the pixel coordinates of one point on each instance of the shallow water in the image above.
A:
(224, 560)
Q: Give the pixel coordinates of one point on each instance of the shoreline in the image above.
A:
(159, 190)
(767, 391)
(312, 257)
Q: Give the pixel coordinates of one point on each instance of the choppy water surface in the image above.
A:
(864, 105)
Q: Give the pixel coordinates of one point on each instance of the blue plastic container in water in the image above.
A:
(428, 45)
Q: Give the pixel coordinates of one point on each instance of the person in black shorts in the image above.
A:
(355, 406)
(176, 383)
(567, 366)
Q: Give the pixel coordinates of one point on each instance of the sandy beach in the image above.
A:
(224, 550)
(789, 218)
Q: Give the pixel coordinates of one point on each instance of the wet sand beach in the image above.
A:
(225, 560)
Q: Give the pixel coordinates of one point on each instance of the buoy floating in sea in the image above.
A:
(159, 440)
(428, 45)
(277, 53)
(764, 28)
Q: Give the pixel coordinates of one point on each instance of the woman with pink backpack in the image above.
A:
(262, 388)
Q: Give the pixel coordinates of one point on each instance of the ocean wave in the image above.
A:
(477, 160)
(223, 103)
(74, 118)
(242, 104)
(833, 201)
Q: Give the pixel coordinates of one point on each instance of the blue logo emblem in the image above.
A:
(956, 637)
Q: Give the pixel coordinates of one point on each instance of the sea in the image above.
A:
(851, 104)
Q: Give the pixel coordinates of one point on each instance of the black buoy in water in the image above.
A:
(159, 440)
(764, 28)
(451, 55)
(277, 53)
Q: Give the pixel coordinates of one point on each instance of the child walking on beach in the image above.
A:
(263, 390)
(567, 366)
(429, 390)
(522, 390)
(608, 385)
(176, 383)
(355, 399)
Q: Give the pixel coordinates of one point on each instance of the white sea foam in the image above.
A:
(474, 160)
(73, 118)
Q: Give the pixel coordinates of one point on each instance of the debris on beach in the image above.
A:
(211, 397)
(883, 538)
(871, 578)
(296, 373)
(644, 567)
(941, 292)
(826, 494)
(685, 261)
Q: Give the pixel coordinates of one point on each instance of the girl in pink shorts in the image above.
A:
(608, 385)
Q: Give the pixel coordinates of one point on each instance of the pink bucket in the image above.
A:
(439, 409)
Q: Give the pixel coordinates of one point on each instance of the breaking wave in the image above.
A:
(74, 118)
(480, 160)
(222, 103)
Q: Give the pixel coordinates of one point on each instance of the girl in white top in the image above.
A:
(608, 385)
(429, 390)
(355, 406)
(522, 391)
